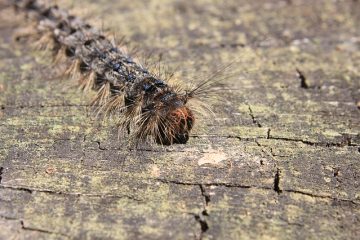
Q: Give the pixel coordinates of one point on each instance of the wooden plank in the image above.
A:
(279, 161)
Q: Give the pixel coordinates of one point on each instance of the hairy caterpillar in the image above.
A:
(145, 105)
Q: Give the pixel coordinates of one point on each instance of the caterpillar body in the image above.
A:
(145, 105)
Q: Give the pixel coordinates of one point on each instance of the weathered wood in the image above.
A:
(281, 159)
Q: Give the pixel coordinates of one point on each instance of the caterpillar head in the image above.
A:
(165, 118)
(161, 113)
(176, 126)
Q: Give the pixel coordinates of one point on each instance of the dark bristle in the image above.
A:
(84, 67)
(72, 31)
(89, 42)
(70, 52)
(31, 5)
(87, 26)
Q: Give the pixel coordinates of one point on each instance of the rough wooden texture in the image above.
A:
(281, 159)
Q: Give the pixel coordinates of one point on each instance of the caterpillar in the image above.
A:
(145, 105)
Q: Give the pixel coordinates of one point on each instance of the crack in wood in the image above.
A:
(201, 217)
(23, 227)
(254, 120)
(205, 194)
(204, 226)
(47, 191)
(343, 143)
(8, 218)
(276, 186)
(277, 181)
(4, 107)
(320, 196)
(229, 185)
(1, 173)
(301, 76)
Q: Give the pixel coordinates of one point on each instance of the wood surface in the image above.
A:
(280, 159)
